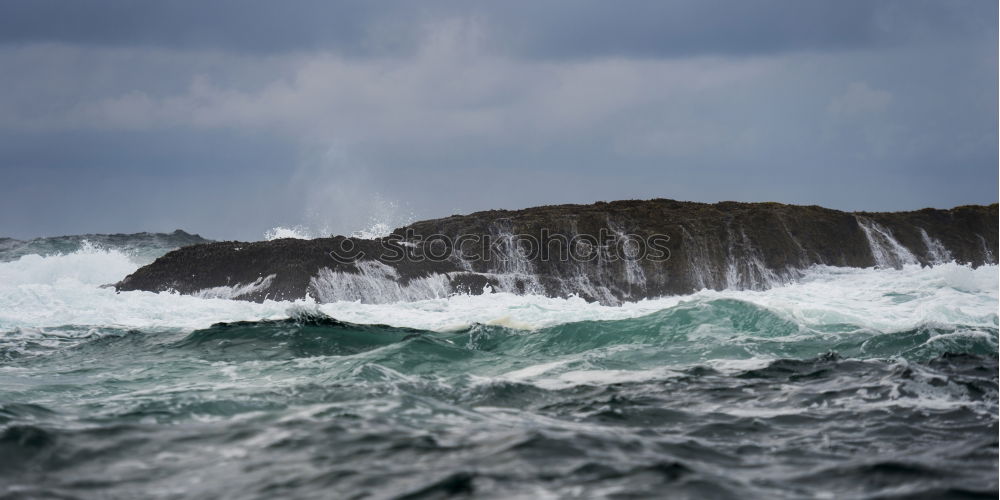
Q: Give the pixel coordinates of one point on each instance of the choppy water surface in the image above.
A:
(849, 383)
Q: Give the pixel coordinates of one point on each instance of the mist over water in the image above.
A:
(843, 383)
(384, 217)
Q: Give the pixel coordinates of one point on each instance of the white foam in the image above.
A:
(886, 251)
(238, 290)
(882, 299)
(600, 377)
(534, 371)
(90, 266)
(374, 282)
(374, 231)
(936, 250)
(296, 232)
(39, 292)
(58, 290)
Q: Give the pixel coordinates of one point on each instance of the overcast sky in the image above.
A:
(228, 118)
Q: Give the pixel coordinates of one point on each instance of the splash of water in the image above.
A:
(298, 232)
(886, 251)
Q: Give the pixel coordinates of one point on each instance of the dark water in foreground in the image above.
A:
(848, 384)
(310, 407)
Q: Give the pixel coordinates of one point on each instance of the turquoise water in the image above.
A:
(851, 383)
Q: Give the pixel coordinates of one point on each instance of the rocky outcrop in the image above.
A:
(608, 252)
(144, 247)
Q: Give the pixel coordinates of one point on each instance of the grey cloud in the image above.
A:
(251, 25)
(530, 28)
(856, 105)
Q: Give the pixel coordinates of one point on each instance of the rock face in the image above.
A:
(608, 252)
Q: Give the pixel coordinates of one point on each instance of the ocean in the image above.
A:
(846, 383)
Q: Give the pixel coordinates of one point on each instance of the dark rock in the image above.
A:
(722, 245)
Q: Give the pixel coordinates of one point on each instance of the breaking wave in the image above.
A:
(842, 383)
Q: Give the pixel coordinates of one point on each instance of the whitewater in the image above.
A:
(844, 383)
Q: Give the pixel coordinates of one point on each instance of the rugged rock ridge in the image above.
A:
(722, 245)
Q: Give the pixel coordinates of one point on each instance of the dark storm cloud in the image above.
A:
(251, 25)
(724, 27)
(230, 117)
(545, 29)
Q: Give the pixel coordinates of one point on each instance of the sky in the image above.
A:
(228, 118)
